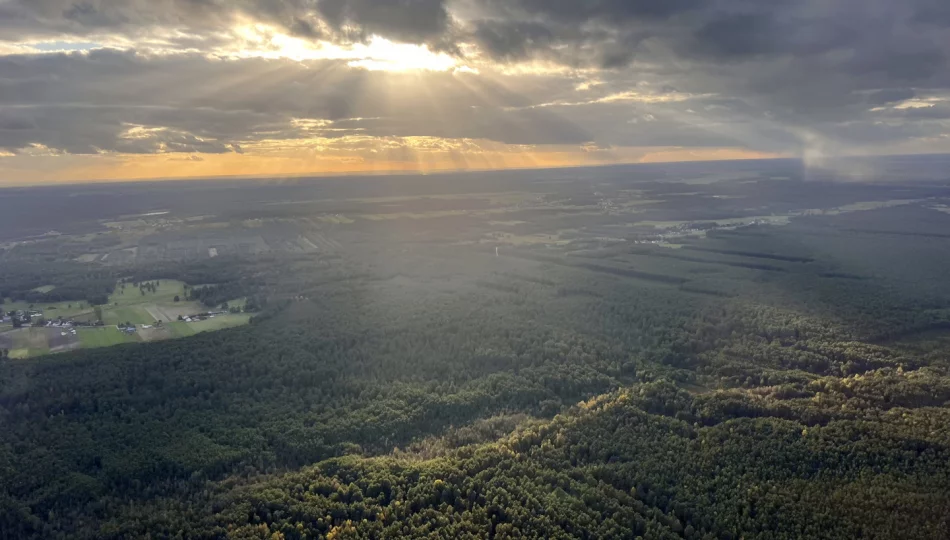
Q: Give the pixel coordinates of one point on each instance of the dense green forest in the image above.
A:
(759, 383)
(22, 280)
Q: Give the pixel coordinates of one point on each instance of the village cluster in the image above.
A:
(35, 318)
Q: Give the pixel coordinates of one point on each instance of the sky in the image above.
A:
(140, 89)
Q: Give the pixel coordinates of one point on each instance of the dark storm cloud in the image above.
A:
(598, 33)
(801, 69)
(890, 95)
(513, 40)
(722, 28)
(615, 12)
(12, 121)
(936, 12)
(408, 20)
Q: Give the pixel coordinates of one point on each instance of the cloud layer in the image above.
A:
(801, 77)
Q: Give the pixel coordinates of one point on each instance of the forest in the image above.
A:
(756, 382)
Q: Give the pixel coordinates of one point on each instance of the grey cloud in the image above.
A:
(599, 33)
(208, 105)
(169, 141)
(721, 28)
(12, 121)
(89, 130)
(616, 12)
(795, 57)
(931, 112)
(737, 35)
(934, 12)
(513, 40)
(763, 75)
(409, 20)
(891, 95)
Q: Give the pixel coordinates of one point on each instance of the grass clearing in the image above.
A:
(237, 303)
(181, 329)
(170, 312)
(126, 294)
(26, 342)
(142, 306)
(155, 333)
(104, 337)
(27, 353)
(123, 314)
(219, 322)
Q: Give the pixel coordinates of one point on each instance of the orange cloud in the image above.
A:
(340, 156)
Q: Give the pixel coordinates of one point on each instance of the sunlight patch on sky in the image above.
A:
(59, 46)
(919, 103)
(377, 54)
(257, 40)
(620, 97)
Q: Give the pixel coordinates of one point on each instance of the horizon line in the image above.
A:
(445, 172)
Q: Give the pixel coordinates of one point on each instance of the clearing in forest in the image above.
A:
(142, 305)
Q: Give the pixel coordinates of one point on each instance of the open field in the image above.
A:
(127, 294)
(171, 312)
(29, 342)
(126, 314)
(23, 344)
(129, 304)
(239, 303)
(181, 329)
(219, 322)
(104, 337)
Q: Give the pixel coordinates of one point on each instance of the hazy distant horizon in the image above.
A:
(827, 164)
